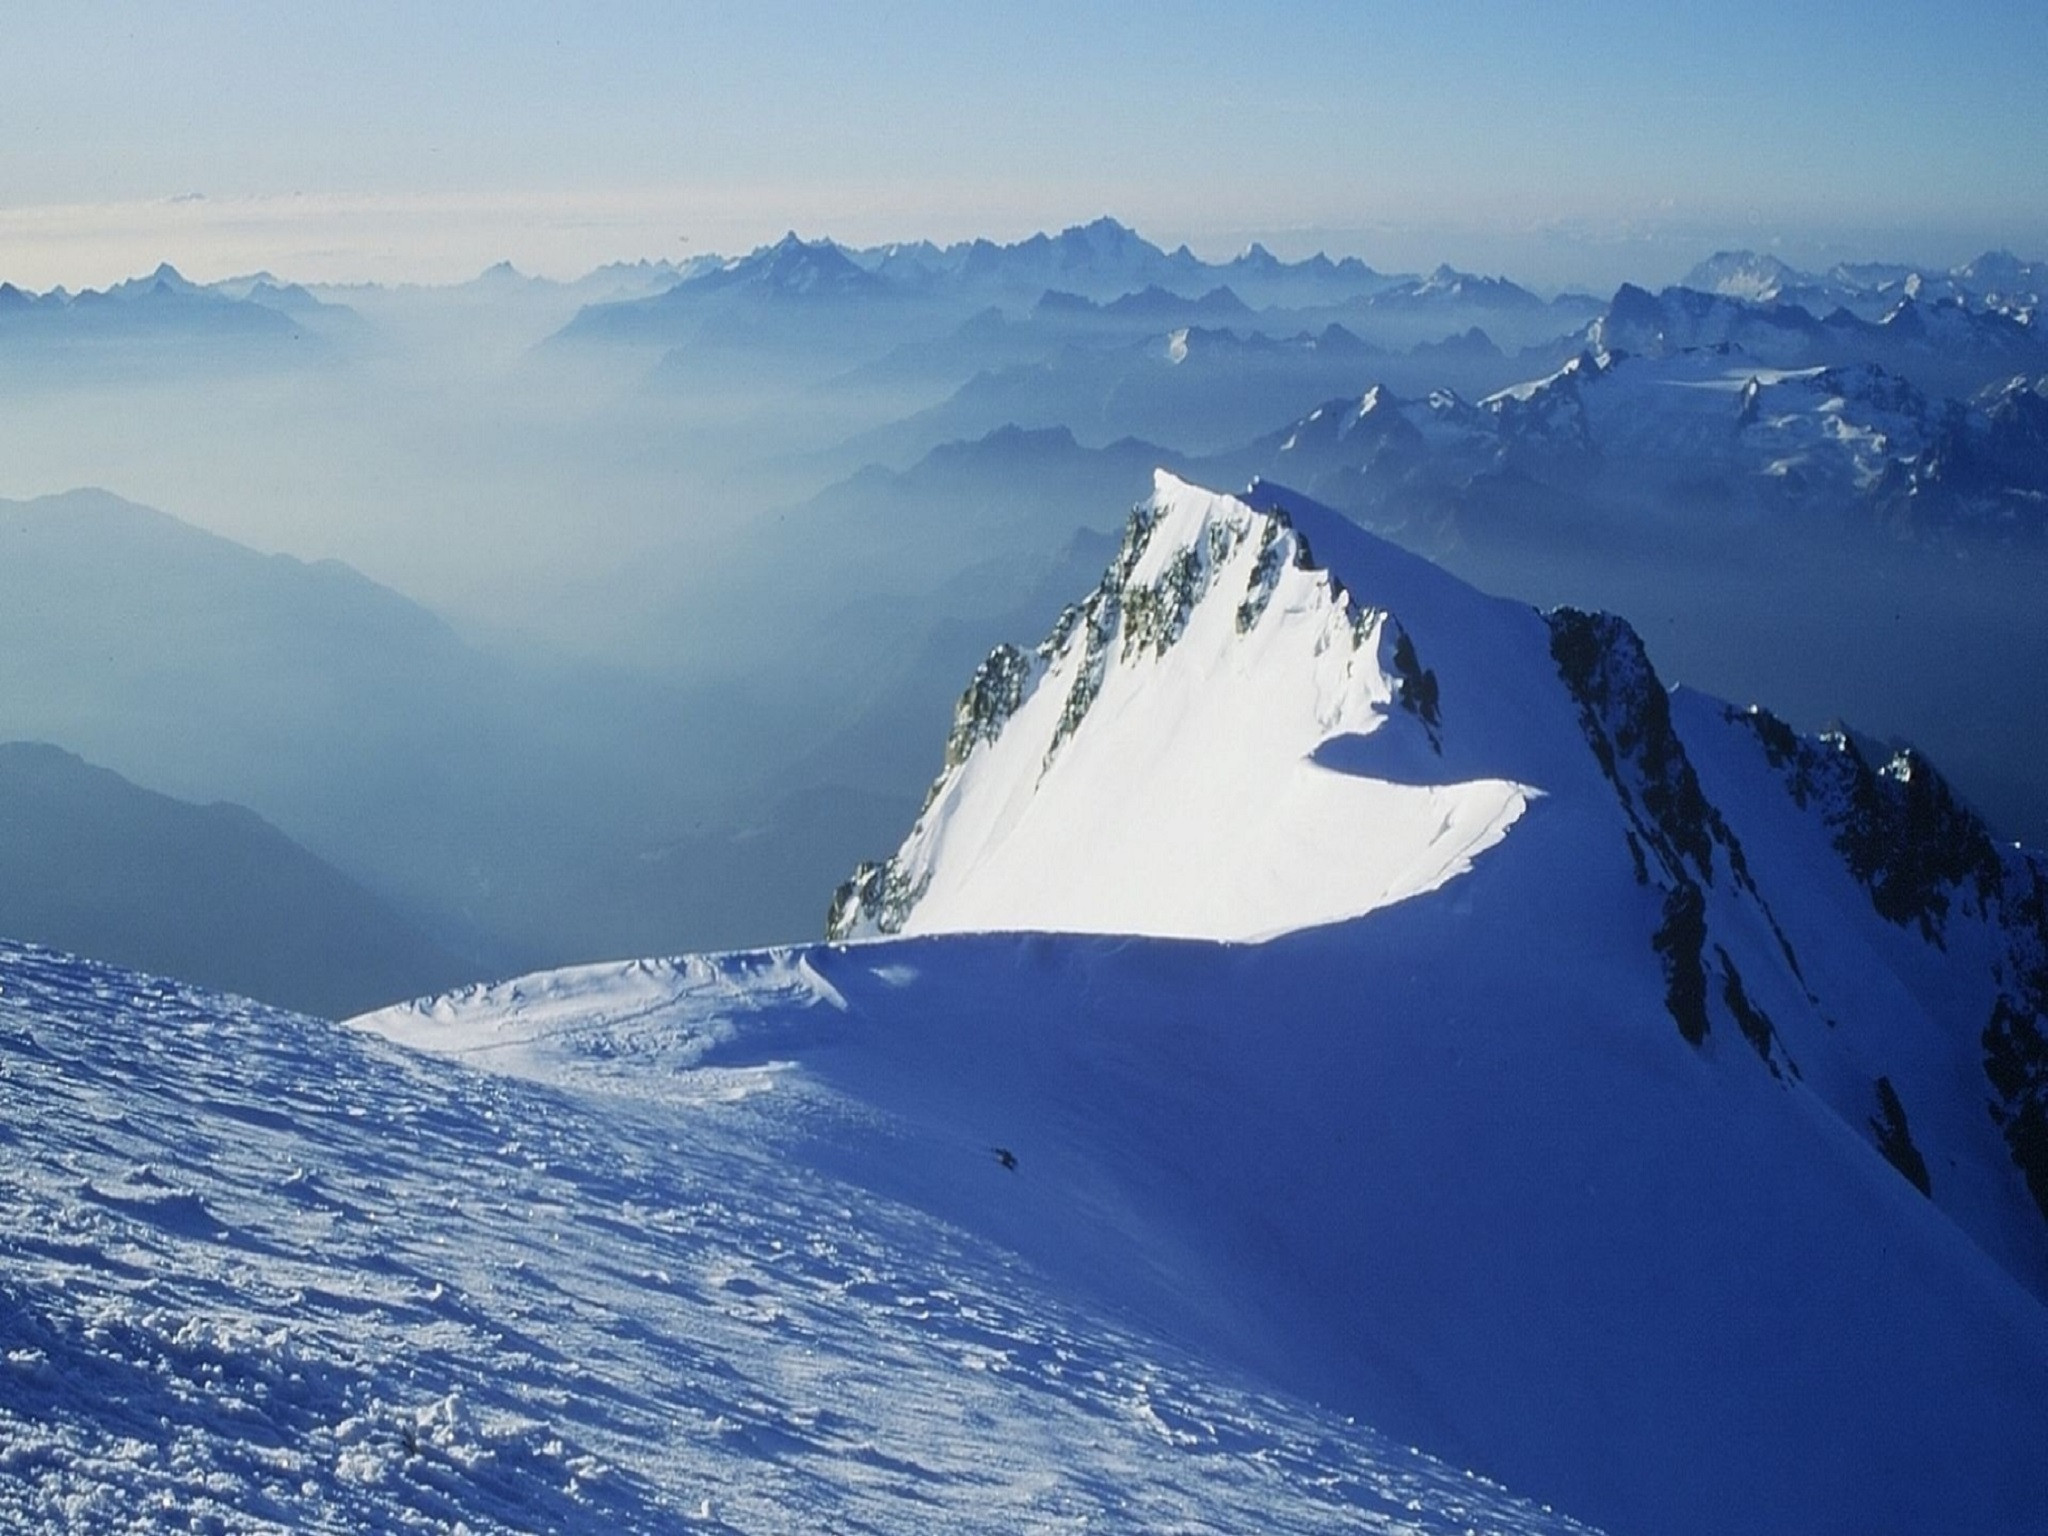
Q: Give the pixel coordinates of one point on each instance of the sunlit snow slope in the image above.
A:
(1222, 742)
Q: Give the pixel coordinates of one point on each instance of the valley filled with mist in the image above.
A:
(566, 621)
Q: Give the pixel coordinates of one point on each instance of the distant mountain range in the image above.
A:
(95, 865)
(832, 297)
(161, 320)
(1693, 440)
(1996, 280)
(1947, 346)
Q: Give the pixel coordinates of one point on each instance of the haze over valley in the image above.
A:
(619, 616)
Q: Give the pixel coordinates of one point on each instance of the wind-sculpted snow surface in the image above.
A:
(1448, 1170)
(1219, 742)
(266, 1273)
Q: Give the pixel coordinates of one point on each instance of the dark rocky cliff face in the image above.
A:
(2016, 1038)
(1677, 838)
(1928, 861)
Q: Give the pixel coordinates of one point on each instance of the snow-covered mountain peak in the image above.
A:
(1590, 1103)
(1225, 740)
(1749, 275)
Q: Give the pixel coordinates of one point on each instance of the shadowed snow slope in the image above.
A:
(267, 1273)
(1486, 1200)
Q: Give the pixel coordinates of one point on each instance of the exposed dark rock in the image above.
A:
(1754, 1023)
(1266, 569)
(1903, 832)
(1895, 1139)
(877, 892)
(992, 696)
(1099, 616)
(1680, 942)
(1626, 716)
(2016, 1039)
(1912, 842)
(1417, 691)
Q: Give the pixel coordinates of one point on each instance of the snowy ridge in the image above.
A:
(1223, 741)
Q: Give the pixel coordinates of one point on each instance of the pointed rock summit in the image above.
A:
(1264, 719)
(1223, 740)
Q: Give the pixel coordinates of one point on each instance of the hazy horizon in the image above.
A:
(1574, 147)
(338, 243)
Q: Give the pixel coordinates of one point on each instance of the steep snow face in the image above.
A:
(1223, 741)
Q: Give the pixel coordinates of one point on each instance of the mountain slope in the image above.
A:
(1672, 1157)
(214, 894)
(1791, 938)
(268, 1273)
(1528, 1229)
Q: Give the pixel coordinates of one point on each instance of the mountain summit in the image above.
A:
(1222, 741)
(1264, 719)
(1402, 995)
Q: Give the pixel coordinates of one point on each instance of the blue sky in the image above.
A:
(1557, 141)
